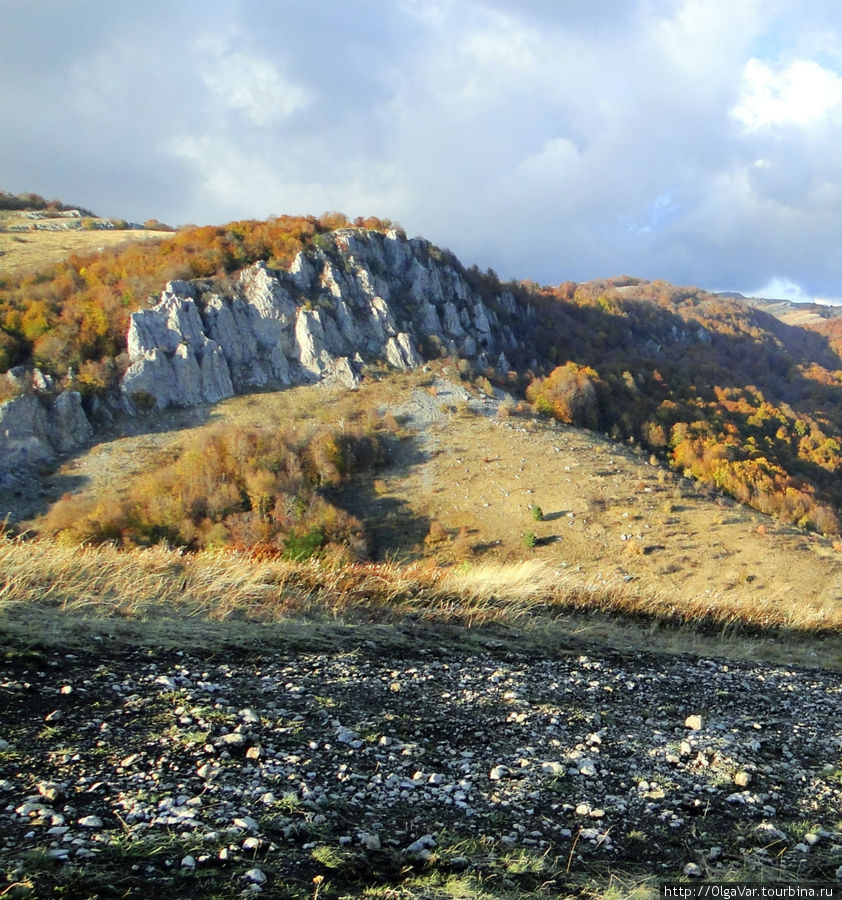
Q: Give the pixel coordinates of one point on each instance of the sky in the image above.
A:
(697, 141)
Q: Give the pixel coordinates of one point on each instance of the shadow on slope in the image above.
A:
(394, 529)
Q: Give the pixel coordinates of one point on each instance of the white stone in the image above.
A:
(426, 842)
(255, 876)
(369, 841)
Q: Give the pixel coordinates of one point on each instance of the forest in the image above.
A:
(726, 394)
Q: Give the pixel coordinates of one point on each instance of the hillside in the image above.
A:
(722, 391)
(334, 568)
(619, 532)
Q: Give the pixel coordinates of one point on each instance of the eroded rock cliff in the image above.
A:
(361, 298)
(38, 425)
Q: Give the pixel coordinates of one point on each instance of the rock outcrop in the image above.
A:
(37, 424)
(361, 298)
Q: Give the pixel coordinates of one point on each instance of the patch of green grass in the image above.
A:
(49, 732)
(331, 857)
(192, 737)
(288, 803)
(525, 862)
(558, 784)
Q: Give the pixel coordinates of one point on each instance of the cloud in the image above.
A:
(800, 94)
(248, 83)
(785, 289)
(782, 289)
(684, 139)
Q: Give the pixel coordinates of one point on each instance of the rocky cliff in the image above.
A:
(38, 424)
(361, 298)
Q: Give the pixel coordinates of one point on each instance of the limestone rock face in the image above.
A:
(69, 427)
(34, 428)
(361, 298)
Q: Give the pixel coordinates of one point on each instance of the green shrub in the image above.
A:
(299, 547)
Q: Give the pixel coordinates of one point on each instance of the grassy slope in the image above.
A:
(619, 536)
(32, 250)
(617, 532)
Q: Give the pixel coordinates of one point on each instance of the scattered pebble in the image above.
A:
(585, 752)
(256, 876)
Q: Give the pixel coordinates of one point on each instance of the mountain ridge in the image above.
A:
(363, 298)
(722, 390)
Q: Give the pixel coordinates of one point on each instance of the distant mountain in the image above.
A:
(789, 311)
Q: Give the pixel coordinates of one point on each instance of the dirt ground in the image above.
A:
(609, 514)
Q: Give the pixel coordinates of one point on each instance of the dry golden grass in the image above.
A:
(32, 250)
(163, 596)
(624, 546)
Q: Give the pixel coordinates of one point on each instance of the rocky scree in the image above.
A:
(278, 768)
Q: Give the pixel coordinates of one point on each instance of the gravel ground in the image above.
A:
(135, 772)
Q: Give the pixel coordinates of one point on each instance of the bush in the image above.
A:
(530, 540)
(299, 547)
(537, 513)
(10, 351)
(568, 394)
(242, 487)
(463, 547)
(143, 401)
(437, 533)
